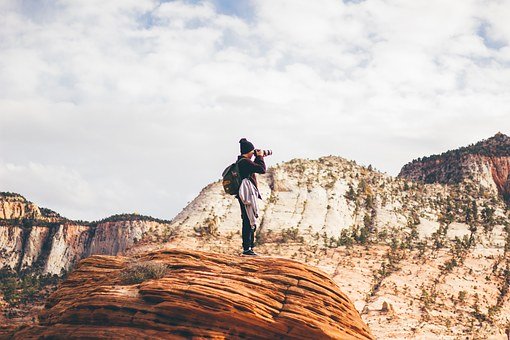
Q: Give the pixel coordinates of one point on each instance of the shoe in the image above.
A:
(249, 252)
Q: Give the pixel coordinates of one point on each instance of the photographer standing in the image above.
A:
(248, 169)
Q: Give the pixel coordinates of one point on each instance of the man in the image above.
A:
(248, 169)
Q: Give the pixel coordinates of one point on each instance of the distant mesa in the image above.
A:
(486, 162)
(192, 294)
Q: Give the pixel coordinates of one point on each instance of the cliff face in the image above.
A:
(486, 163)
(500, 171)
(112, 238)
(198, 295)
(51, 248)
(32, 239)
(15, 206)
(60, 246)
(10, 246)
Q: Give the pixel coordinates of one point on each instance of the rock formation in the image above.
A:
(38, 238)
(334, 201)
(327, 198)
(486, 163)
(437, 254)
(199, 295)
(15, 206)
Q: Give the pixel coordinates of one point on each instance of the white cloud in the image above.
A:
(60, 186)
(136, 105)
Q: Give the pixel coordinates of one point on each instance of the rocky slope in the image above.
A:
(486, 162)
(197, 295)
(337, 201)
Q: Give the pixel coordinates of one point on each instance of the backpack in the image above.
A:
(232, 178)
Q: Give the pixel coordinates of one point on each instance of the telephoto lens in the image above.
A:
(265, 152)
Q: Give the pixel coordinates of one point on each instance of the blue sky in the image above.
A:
(242, 9)
(120, 106)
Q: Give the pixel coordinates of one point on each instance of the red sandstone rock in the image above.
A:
(487, 162)
(202, 295)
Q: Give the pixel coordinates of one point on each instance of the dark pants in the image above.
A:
(248, 232)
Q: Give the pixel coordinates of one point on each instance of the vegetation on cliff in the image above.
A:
(22, 290)
(12, 195)
(131, 217)
(496, 146)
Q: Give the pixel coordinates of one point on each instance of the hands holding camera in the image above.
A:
(263, 153)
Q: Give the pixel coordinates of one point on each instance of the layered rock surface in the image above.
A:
(201, 295)
(15, 206)
(35, 238)
(486, 163)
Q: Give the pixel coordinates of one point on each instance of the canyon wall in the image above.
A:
(52, 244)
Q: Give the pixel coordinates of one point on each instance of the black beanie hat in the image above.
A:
(245, 146)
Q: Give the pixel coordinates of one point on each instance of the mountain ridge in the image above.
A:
(386, 241)
(495, 146)
(486, 162)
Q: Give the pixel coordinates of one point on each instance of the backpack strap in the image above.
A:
(237, 163)
(240, 159)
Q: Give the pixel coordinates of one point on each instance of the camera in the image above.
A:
(265, 152)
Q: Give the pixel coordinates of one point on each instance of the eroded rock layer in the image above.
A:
(487, 163)
(38, 238)
(200, 295)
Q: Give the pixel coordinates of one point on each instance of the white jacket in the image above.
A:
(248, 194)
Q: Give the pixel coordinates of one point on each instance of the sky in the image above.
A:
(111, 107)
